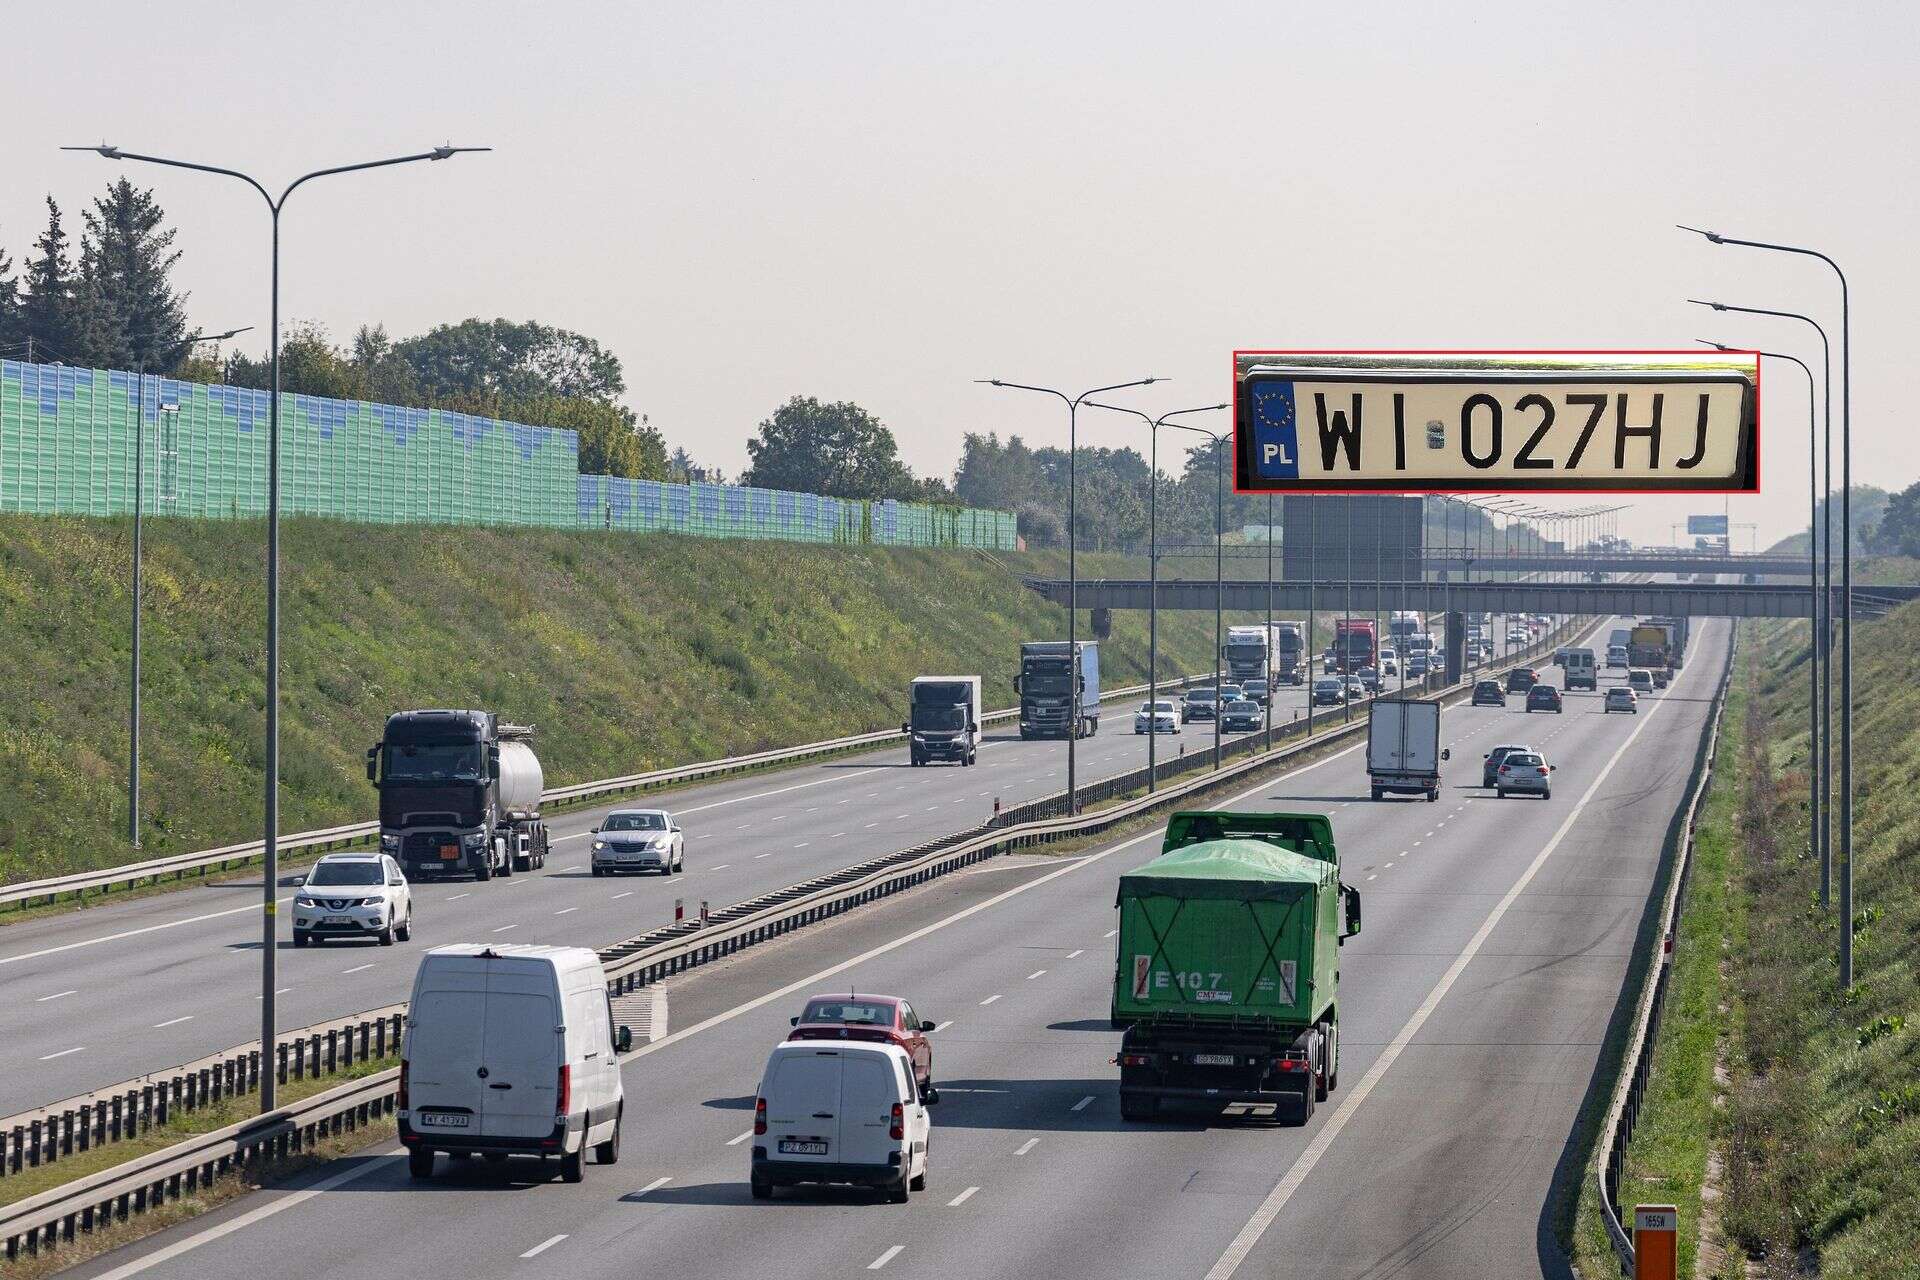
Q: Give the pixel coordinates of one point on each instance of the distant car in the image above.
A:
(1230, 693)
(1544, 697)
(1660, 677)
(1616, 656)
(880, 1019)
(1256, 691)
(1488, 693)
(1355, 690)
(1490, 763)
(353, 895)
(1417, 666)
(1243, 716)
(1389, 666)
(1197, 705)
(1640, 680)
(1369, 679)
(1524, 772)
(637, 840)
(1328, 691)
(1621, 698)
(1157, 717)
(1521, 679)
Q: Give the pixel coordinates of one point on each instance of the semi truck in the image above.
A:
(1250, 653)
(1676, 629)
(459, 793)
(1355, 643)
(1647, 646)
(1291, 666)
(1402, 623)
(943, 719)
(1059, 689)
(1226, 965)
(1403, 747)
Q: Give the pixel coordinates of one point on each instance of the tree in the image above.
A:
(310, 365)
(9, 307)
(839, 450)
(1898, 532)
(518, 361)
(127, 258)
(49, 325)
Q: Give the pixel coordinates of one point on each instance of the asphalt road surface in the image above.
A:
(1496, 944)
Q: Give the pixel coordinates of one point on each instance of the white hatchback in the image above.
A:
(353, 895)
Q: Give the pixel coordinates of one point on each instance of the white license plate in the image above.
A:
(1213, 1059)
(441, 1120)
(338, 920)
(802, 1147)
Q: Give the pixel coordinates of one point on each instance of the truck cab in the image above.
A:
(943, 719)
(1059, 688)
(459, 792)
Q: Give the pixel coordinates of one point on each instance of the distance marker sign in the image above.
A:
(1431, 428)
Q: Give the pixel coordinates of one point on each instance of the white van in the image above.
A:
(842, 1112)
(1581, 672)
(510, 1050)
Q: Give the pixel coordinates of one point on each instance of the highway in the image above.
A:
(1496, 944)
(105, 994)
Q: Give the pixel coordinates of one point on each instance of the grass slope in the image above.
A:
(629, 652)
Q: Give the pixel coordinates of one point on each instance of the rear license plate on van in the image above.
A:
(802, 1147)
(442, 1120)
(1213, 1059)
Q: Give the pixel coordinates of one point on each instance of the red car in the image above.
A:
(888, 1019)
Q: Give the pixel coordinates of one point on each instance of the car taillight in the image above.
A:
(759, 1116)
(565, 1093)
(1291, 1064)
(898, 1128)
(403, 1084)
(1543, 771)
(1506, 768)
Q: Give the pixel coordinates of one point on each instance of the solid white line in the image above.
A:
(1026, 1146)
(734, 1142)
(357, 968)
(55, 996)
(962, 1198)
(990, 999)
(79, 1048)
(1276, 1200)
(543, 1246)
(133, 933)
(1083, 1104)
(173, 1022)
(885, 1258)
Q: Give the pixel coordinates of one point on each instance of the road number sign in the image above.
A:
(1322, 428)
(1656, 1242)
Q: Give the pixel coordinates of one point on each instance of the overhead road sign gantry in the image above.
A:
(1495, 422)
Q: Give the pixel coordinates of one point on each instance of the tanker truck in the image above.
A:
(1227, 966)
(459, 793)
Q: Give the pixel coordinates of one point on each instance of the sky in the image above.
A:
(882, 203)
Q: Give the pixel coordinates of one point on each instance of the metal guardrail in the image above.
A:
(57, 1215)
(28, 892)
(1630, 1087)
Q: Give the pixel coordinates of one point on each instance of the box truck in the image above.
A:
(1403, 747)
(1226, 965)
(943, 719)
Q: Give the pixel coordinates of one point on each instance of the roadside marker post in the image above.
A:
(1656, 1242)
(679, 910)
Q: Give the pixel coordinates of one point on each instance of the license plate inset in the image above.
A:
(439, 1120)
(802, 1147)
(1213, 1059)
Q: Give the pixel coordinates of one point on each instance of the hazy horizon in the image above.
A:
(862, 203)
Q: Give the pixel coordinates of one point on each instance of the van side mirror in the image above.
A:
(493, 762)
(373, 756)
(1350, 897)
(928, 1026)
(623, 1040)
(1016, 684)
(793, 1021)
(929, 1096)
(903, 727)
(1446, 753)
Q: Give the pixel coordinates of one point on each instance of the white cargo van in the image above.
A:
(839, 1112)
(1581, 671)
(510, 1050)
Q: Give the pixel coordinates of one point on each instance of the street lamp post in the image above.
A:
(1153, 564)
(139, 513)
(1073, 404)
(1816, 782)
(1846, 587)
(1820, 565)
(270, 845)
(1219, 440)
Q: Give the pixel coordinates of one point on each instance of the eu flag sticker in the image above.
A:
(1276, 448)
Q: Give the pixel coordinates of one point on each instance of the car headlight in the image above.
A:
(371, 902)
(389, 843)
(474, 841)
(599, 844)
(308, 903)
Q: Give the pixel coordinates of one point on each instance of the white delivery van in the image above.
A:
(839, 1112)
(1582, 672)
(510, 1050)
(1403, 747)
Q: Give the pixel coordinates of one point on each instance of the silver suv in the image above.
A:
(353, 895)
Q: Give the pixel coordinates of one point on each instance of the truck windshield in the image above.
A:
(435, 762)
(930, 717)
(1246, 652)
(1047, 678)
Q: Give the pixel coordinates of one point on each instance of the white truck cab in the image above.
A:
(510, 1050)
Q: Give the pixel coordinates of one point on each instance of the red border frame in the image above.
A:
(1234, 399)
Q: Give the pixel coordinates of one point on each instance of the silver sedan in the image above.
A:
(638, 840)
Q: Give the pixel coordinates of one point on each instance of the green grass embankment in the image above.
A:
(1815, 1119)
(629, 652)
